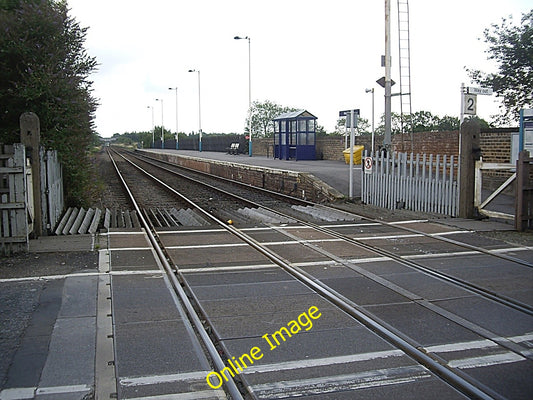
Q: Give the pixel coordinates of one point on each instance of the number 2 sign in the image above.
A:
(470, 104)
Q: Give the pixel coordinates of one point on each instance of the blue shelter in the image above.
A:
(295, 136)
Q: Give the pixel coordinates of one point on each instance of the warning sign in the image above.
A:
(368, 165)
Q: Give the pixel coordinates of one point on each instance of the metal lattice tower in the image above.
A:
(405, 68)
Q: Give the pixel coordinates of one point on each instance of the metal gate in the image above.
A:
(415, 182)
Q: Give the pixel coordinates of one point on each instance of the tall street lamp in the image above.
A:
(372, 91)
(162, 132)
(199, 111)
(249, 92)
(176, 89)
(153, 126)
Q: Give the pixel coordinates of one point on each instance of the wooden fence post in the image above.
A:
(30, 136)
(470, 151)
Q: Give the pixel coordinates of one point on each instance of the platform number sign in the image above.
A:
(470, 104)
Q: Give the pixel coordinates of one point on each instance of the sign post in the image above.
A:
(351, 122)
(468, 107)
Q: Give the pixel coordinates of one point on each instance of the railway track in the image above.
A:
(410, 307)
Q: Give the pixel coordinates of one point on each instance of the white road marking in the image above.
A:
(486, 361)
(360, 380)
(157, 379)
(204, 394)
(317, 362)
(31, 392)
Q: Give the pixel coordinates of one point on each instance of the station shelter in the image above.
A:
(295, 136)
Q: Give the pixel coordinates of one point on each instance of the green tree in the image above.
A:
(447, 123)
(511, 47)
(423, 121)
(262, 114)
(363, 127)
(45, 69)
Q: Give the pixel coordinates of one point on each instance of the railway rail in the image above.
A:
(400, 294)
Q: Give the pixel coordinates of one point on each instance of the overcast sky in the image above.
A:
(310, 54)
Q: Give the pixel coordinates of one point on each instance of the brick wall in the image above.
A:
(330, 148)
(495, 144)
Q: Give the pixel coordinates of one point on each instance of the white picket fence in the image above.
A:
(413, 182)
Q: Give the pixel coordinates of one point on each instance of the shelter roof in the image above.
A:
(294, 115)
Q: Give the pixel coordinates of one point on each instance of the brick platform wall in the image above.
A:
(296, 184)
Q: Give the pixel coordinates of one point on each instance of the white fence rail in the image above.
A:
(414, 182)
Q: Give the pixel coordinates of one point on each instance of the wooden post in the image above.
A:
(470, 152)
(30, 136)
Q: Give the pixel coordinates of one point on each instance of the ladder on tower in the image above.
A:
(404, 58)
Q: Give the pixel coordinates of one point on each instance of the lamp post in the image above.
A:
(199, 111)
(177, 132)
(249, 92)
(372, 91)
(162, 132)
(153, 126)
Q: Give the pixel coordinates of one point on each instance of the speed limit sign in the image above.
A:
(368, 165)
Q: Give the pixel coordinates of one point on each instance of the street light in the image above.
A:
(153, 126)
(162, 132)
(249, 92)
(372, 91)
(199, 111)
(176, 89)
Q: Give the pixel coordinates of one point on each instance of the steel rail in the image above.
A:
(210, 346)
(452, 376)
(505, 300)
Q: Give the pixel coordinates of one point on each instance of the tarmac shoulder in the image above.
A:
(48, 325)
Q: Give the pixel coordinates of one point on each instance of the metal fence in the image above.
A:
(414, 182)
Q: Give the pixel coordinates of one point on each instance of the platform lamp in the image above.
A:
(177, 134)
(199, 111)
(153, 126)
(162, 132)
(249, 92)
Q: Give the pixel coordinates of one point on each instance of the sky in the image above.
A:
(308, 54)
